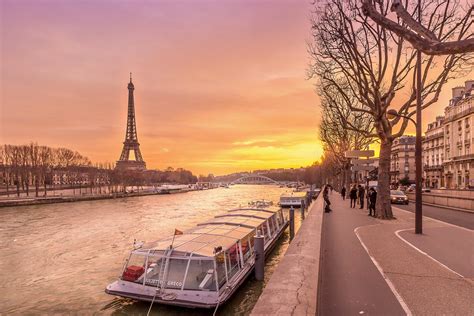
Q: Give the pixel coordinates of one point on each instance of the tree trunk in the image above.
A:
(36, 186)
(383, 207)
(17, 180)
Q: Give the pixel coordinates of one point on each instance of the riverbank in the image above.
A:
(23, 201)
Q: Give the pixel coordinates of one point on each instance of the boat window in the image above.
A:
(263, 230)
(275, 221)
(272, 225)
(220, 265)
(232, 261)
(175, 276)
(280, 217)
(246, 248)
(201, 276)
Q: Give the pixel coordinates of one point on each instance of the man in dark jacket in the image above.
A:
(372, 201)
(343, 192)
(327, 209)
(361, 196)
(353, 196)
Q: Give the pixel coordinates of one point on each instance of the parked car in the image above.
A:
(398, 197)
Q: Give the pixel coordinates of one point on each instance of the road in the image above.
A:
(463, 219)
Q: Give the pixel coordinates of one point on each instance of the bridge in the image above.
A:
(254, 179)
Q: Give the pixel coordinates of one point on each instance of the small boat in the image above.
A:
(292, 199)
(260, 203)
(201, 267)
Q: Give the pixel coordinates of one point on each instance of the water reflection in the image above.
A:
(60, 257)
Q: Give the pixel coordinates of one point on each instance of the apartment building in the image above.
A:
(458, 162)
(433, 154)
(402, 163)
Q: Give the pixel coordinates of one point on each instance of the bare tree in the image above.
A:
(5, 164)
(371, 67)
(35, 166)
(460, 39)
(46, 157)
(334, 132)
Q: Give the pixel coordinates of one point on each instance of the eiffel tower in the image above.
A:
(131, 139)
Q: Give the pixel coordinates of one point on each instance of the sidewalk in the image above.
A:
(350, 282)
(381, 267)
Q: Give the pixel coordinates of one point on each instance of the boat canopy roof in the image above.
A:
(222, 231)
(294, 194)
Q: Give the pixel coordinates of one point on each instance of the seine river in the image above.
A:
(58, 258)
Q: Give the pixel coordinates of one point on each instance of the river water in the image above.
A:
(58, 258)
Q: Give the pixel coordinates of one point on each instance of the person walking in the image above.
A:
(353, 196)
(327, 208)
(372, 200)
(343, 192)
(361, 196)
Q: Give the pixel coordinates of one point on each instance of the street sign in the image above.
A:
(359, 153)
(363, 168)
(358, 162)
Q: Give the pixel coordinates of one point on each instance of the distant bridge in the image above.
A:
(254, 179)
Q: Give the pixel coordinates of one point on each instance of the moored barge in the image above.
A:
(201, 267)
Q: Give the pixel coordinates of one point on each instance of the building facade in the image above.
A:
(433, 154)
(402, 162)
(459, 138)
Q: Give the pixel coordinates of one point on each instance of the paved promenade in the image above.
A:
(350, 282)
(382, 268)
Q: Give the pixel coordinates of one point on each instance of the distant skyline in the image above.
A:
(220, 86)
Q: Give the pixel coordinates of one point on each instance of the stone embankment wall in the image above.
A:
(456, 199)
(293, 287)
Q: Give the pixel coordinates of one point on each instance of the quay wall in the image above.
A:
(461, 200)
(293, 287)
(86, 197)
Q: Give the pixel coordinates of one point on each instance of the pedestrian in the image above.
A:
(343, 192)
(361, 196)
(327, 207)
(372, 201)
(353, 196)
(330, 187)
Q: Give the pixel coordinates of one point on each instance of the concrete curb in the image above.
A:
(293, 287)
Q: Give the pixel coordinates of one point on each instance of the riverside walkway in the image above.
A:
(372, 266)
(350, 283)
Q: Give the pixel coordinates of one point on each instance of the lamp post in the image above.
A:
(418, 159)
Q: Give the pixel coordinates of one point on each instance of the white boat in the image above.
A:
(292, 199)
(202, 267)
(260, 203)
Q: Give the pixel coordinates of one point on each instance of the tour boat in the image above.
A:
(292, 199)
(201, 267)
(260, 203)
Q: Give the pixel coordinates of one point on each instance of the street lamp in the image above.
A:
(391, 114)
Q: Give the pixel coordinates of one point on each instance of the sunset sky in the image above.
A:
(219, 85)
